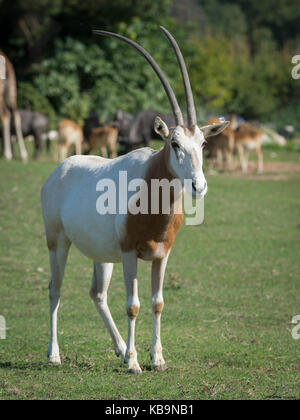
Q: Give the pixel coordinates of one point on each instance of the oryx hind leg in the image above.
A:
(98, 292)
(58, 252)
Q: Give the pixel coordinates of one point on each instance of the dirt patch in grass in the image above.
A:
(273, 171)
(279, 167)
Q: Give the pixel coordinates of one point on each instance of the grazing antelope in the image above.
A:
(69, 133)
(221, 147)
(123, 121)
(104, 138)
(92, 121)
(246, 139)
(68, 200)
(142, 128)
(34, 124)
(8, 105)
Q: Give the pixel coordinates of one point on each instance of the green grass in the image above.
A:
(231, 290)
(276, 153)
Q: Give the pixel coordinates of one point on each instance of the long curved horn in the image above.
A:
(191, 112)
(173, 101)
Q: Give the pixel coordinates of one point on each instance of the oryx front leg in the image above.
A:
(100, 284)
(158, 272)
(129, 260)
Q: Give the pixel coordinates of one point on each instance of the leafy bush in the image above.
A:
(289, 114)
(238, 56)
(80, 78)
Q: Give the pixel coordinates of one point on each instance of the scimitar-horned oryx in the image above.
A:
(68, 203)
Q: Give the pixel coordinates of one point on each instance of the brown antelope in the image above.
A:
(104, 138)
(69, 205)
(248, 138)
(221, 147)
(69, 133)
(8, 105)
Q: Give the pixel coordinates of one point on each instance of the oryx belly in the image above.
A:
(98, 236)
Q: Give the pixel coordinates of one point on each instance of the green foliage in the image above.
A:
(65, 77)
(225, 19)
(281, 18)
(262, 85)
(238, 54)
(258, 82)
(29, 29)
(289, 114)
(210, 72)
(79, 78)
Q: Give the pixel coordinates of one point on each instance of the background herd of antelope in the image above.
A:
(93, 136)
(239, 138)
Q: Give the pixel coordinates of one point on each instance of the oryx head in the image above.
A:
(185, 142)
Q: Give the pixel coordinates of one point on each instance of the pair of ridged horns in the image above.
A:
(191, 112)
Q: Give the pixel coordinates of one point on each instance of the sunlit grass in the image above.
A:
(231, 290)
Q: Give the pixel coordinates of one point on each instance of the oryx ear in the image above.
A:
(161, 128)
(214, 129)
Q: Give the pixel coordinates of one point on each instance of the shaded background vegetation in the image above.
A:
(238, 54)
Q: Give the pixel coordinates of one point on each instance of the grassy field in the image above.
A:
(231, 290)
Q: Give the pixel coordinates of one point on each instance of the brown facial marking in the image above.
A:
(158, 307)
(144, 232)
(132, 311)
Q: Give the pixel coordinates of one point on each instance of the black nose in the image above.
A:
(204, 187)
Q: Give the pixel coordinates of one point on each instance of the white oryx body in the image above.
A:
(73, 185)
(69, 199)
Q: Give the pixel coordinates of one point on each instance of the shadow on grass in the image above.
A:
(39, 366)
(144, 367)
(24, 365)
